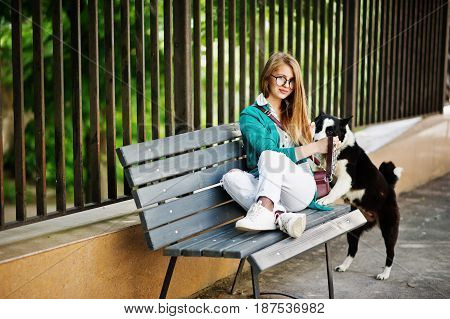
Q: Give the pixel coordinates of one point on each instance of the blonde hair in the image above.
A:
(294, 117)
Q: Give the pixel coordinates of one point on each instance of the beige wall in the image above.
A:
(119, 265)
(423, 152)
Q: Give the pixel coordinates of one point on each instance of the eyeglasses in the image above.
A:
(281, 81)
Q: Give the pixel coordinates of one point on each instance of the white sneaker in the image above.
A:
(258, 218)
(292, 224)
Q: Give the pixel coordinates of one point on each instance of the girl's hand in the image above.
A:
(322, 145)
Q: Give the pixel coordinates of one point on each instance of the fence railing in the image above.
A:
(116, 72)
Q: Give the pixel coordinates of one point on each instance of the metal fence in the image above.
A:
(378, 60)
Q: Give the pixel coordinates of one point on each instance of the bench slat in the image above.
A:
(313, 219)
(218, 249)
(170, 233)
(183, 184)
(176, 249)
(182, 207)
(291, 247)
(187, 162)
(197, 249)
(246, 248)
(149, 150)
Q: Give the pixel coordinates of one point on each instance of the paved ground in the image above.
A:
(421, 267)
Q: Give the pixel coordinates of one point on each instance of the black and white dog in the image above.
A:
(365, 187)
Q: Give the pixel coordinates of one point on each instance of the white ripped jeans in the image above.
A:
(290, 187)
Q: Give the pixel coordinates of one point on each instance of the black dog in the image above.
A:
(365, 187)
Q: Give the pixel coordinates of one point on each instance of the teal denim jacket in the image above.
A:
(259, 133)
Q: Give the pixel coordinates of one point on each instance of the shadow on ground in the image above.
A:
(421, 267)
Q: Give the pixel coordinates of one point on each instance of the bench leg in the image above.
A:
(255, 283)
(168, 277)
(239, 270)
(329, 273)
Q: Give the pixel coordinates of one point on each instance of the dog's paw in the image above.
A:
(340, 268)
(382, 277)
(326, 200)
(385, 274)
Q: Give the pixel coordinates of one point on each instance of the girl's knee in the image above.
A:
(230, 178)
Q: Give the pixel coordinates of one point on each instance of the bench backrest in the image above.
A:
(175, 181)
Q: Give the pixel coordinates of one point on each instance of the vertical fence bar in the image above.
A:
(407, 58)
(168, 69)
(375, 65)
(140, 69)
(2, 189)
(18, 106)
(182, 66)
(108, 11)
(330, 79)
(417, 35)
(242, 54)
(231, 60)
(436, 47)
(262, 37)
(75, 41)
(337, 51)
(351, 67)
(407, 54)
(443, 57)
(306, 67)
(370, 55)
(432, 45)
(271, 26)
(439, 48)
(402, 79)
(252, 60)
(422, 66)
(197, 65)
(385, 60)
(58, 89)
(344, 57)
(221, 61)
(362, 103)
(125, 77)
(281, 33)
(209, 63)
(290, 33)
(39, 109)
(322, 82)
(428, 53)
(436, 21)
(414, 13)
(398, 62)
(298, 31)
(315, 31)
(423, 58)
(392, 62)
(154, 68)
(411, 65)
(401, 49)
(94, 110)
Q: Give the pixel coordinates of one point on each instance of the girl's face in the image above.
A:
(283, 74)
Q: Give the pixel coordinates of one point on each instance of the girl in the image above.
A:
(280, 180)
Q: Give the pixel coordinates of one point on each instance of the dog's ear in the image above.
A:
(321, 114)
(345, 121)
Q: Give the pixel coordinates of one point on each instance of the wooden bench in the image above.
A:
(184, 210)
